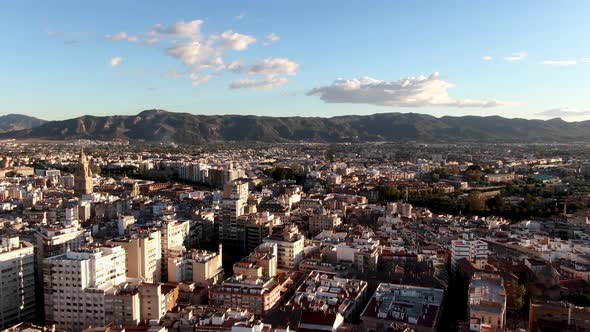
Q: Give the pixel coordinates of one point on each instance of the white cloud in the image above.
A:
(198, 79)
(191, 29)
(565, 112)
(204, 54)
(267, 83)
(273, 67)
(269, 74)
(518, 56)
(560, 63)
(116, 61)
(271, 38)
(122, 36)
(191, 53)
(235, 66)
(407, 92)
(234, 41)
(240, 16)
(487, 58)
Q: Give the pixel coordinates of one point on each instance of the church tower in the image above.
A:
(83, 177)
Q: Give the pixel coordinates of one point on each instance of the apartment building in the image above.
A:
(418, 308)
(256, 294)
(199, 266)
(262, 262)
(475, 251)
(325, 220)
(290, 245)
(328, 293)
(17, 281)
(487, 302)
(75, 284)
(174, 235)
(143, 257)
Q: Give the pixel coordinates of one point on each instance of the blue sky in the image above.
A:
(527, 59)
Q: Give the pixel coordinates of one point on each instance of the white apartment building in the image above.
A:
(17, 282)
(75, 284)
(475, 251)
(57, 239)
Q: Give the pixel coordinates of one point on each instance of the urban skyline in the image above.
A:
(295, 166)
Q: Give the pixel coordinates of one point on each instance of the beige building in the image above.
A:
(123, 306)
(75, 284)
(235, 197)
(143, 255)
(156, 300)
(262, 262)
(174, 236)
(325, 220)
(199, 266)
(17, 282)
(290, 245)
(487, 302)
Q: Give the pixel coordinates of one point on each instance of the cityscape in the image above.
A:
(260, 198)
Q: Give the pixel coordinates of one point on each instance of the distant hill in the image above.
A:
(12, 122)
(164, 126)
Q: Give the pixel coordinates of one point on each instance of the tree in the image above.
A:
(475, 201)
(472, 173)
(514, 296)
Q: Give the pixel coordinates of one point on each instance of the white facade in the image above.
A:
(75, 284)
(17, 282)
(475, 251)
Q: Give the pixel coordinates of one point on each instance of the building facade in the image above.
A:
(17, 281)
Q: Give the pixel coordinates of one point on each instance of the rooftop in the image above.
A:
(407, 304)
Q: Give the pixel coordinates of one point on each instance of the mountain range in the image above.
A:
(184, 128)
(14, 122)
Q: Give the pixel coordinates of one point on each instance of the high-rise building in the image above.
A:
(290, 247)
(174, 236)
(143, 257)
(75, 285)
(83, 177)
(52, 241)
(17, 282)
(235, 197)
